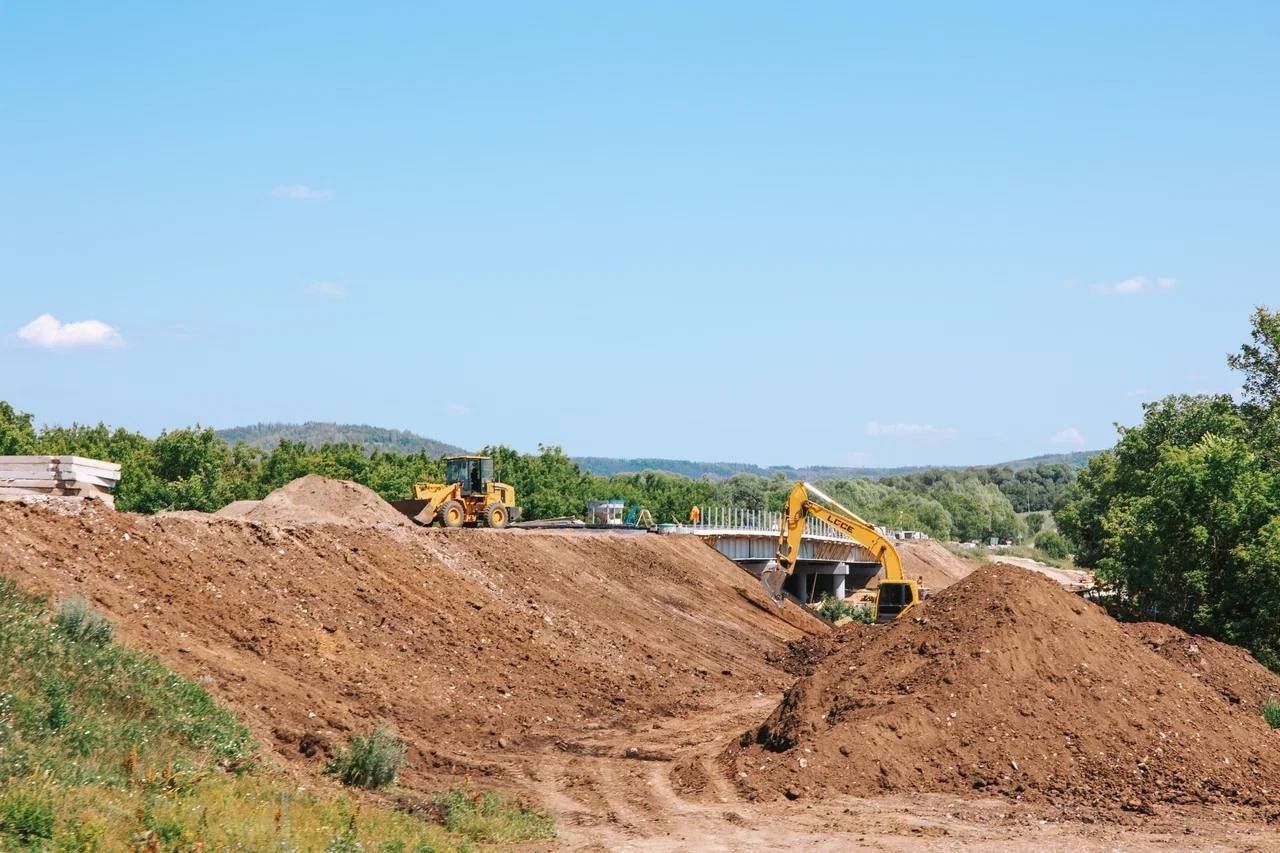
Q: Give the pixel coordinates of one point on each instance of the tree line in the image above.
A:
(1182, 518)
(195, 469)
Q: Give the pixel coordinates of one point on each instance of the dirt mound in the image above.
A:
(803, 656)
(316, 500)
(1230, 670)
(237, 509)
(1006, 683)
(932, 564)
(478, 646)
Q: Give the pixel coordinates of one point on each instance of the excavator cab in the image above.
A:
(894, 599)
(472, 473)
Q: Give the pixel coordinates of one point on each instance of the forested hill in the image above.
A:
(607, 467)
(318, 434)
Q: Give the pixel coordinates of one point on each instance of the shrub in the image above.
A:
(834, 609)
(369, 761)
(1053, 543)
(26, 818)
(488, 818)
(81, 623)
(1271, 712)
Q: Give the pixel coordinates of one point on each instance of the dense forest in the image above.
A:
(1182, 518)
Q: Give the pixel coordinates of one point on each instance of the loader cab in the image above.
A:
(472, 473)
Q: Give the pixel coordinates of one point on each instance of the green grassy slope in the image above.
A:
(103, 748)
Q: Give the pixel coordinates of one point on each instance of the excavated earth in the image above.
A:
(1007, 684)
(604, 676)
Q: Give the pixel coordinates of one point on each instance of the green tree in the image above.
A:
(1183, 516)
(1259, 361)
(1052, 543)
(17, 435)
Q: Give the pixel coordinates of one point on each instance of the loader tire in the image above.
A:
(452, 514)
(496, 516)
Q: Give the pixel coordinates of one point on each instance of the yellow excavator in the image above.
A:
(895, 597)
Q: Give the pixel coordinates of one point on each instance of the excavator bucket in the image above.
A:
(417, 510)
(772, 579)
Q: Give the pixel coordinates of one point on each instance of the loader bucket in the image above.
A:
(415, 509)
(772, 579)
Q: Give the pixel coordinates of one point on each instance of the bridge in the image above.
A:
(829, 562)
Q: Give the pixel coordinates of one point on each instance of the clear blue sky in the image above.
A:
(761, 232)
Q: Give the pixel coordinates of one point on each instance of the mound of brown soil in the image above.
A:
(317, 500)
(475, 645)
(237, 509)
(1006, 683)
(1230, 670)
(932, 564)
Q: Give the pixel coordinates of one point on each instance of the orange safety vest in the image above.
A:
(695, 515)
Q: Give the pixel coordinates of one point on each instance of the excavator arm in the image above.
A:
(894, 597)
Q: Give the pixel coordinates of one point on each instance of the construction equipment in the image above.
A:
(895, 596)
(468, 497)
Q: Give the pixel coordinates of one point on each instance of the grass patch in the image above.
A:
(1271, 712)
(369, 761)
(103, 748)
(26, 818)
(834, 609)
(485, 817)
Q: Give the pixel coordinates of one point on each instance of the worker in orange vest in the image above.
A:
(695, 515)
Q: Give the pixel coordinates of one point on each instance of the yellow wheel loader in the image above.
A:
(895, 597)
(469, 497)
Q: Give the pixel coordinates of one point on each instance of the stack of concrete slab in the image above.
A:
(71, 476)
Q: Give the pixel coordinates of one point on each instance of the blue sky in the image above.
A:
(776, 233)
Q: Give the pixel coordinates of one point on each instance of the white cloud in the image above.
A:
(877, 428)
(327, 290)
(1069, 437)
(47, 332)
(1130, 286)
(457, 410)
(301, 192)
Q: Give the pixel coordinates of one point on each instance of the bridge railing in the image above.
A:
(740, 518)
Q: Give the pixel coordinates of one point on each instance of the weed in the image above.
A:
(27, 818)
(58, 715)
(486, 817)
(833, 609)
(81, 623)
(369, 761)
(1271, 712)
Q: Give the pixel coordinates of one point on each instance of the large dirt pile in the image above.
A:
(316, 500)
(474, 644)
(932, 564)
(1006, 683)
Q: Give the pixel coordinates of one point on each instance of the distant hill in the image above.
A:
(606, 466)
(315, 433)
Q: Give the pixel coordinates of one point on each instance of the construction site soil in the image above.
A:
(603, 677)
(1007, 684)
